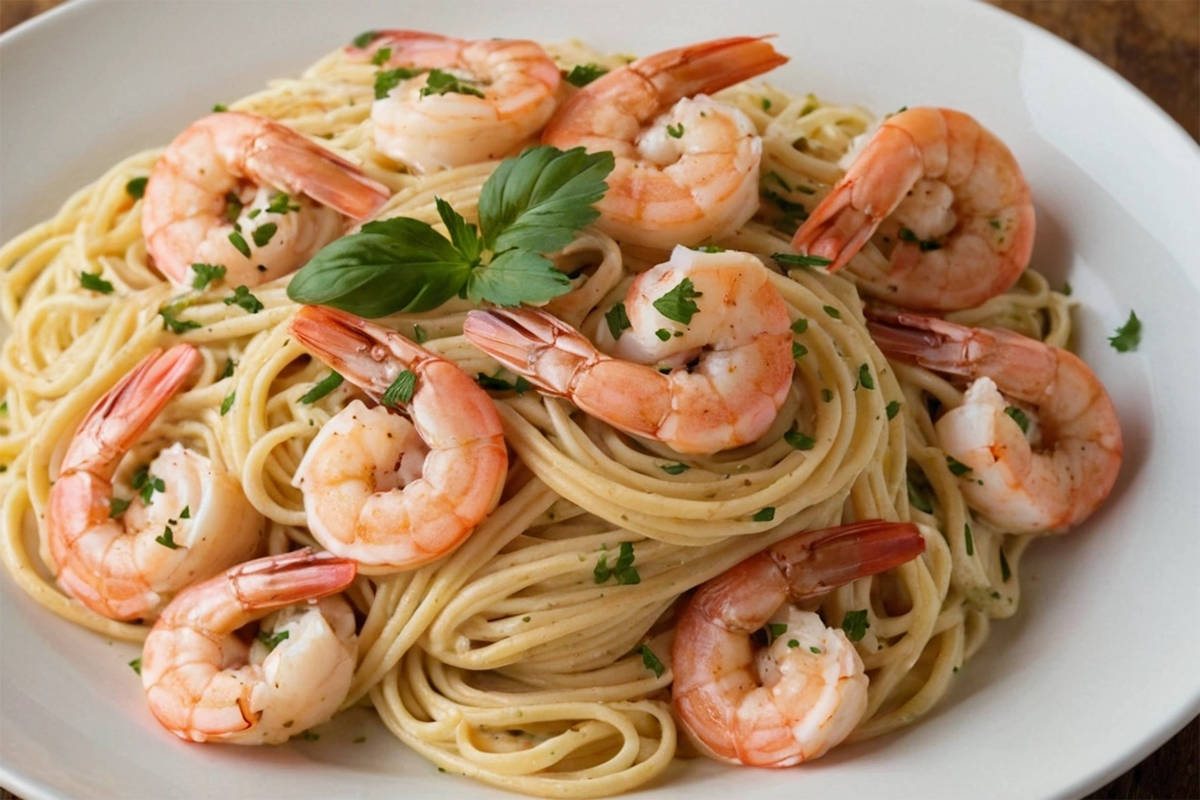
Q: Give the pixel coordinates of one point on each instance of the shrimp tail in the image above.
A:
(836, 230)
(822, 560)
(271, 583)
(355, 347)
(286, 160)
(708, 67)
(521, 339)
(124, 413)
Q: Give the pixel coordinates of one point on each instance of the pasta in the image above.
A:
(516, 660)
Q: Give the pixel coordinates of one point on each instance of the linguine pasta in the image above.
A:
(519, 659)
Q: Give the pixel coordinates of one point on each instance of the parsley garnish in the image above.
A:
(219, 107)
(1018, 417)
(146, 484)
(136, 188)
(623, 571)
(233, 208)
(227, 403)
(381, 56)
(956, 467)
(799, 440)
(229, 365)
(401, 390)
(663, 334)
(766, 104)
(173, 323)
(241, 297)
(893, 408)
(497, 384)
(389, 79)
(920, 493)
(440, 82)
(815, 649)
(93, 282)
(618, 320)
(855, 624)
(800, 325)
(136, 665)
(764, 515)
(1128, 336)
(678, 304)
(364, 39)
(281, 204)
(239, 241)
(793, 643)
(864, 377)
(117, 507)
(674, 469)
(709, 248)
(186, 513)
(970, 540)
(263, 233)
(204, 274)
(419, 335)
(651, 661)
(272, 641)
(832, 312)
(1005, 572)
(926, 245)
(797, 260)
(530, 205)
(798, 351)
(675, 131)
(167, 539)
(583, 74)
(327, 384)
(827, 395)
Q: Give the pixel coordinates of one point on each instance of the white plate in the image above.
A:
(1101, 665)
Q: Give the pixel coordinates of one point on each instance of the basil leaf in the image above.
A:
(463, 235)
(517, 276)
(395, 265)
(539, 199)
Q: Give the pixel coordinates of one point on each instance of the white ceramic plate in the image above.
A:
(1101, 665)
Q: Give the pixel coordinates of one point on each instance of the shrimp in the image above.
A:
(390, 493)
(188, 522)
(804, 693)
(686, 169)
(951, 198)
(1052, 476)
(219, 194)
(738, 338)
(204, 683)
(472, 101)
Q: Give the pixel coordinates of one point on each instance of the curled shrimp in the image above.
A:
(804, 693)
(188, 522)
(686, 169)
(1036, 429)
(204, 683)
(219, 194)
(738, 340)
(946, 195)
(390, 493)
(503, 92)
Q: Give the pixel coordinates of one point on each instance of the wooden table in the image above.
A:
(1155, 45)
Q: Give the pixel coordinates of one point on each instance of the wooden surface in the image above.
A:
(1155, 45)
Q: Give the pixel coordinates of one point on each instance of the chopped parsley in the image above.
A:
(263, 233)
(798, 351)
(774, 630)
(136, 665)
(204, 274)
(440, 82)
(419, 335)
(893, 408)
(799, 440)
(675, 131)
(583, 74)
(855, 624)
(401, 390)
(172, 323)
(800, 325)
(136, 188)
(679, 304)
(381, 56)
(94, 283)
(827, 395)
(229, 366)
(920, 493)
(117, 507)
(652, 662)
(663, 334)
(239, 241)
(227, 403)
(623, 571)
(497, 384)
(926, 245)
(364, 39)
(388, 79)
(186, 513)
(957, 468)
(241, 297)
(793, 643)
(766, 104)
(674, 469)
(969, 539)
(815, 650)
(326, 385)
(831, 311)
(146, 484)
(219, 107)
(797, 260)
(272, 640)
(1128, 336)
(864, 377)
(618, 320)
(233, 207)
(765, 514)
(1019, 417)
(167, 539)
(1005, 572)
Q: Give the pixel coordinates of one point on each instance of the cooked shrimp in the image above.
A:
(390, 493)
(204, 683)
(686, 169)
(219, 194)
(473, 101)
(803, 693)
(1052, 476)
(738, 338)
(950, 199)
(188, 522)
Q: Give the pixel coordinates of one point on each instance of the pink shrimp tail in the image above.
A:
(708, 66)
(292, 161)
(519, 338)
(274, 582)
(818, 561)
(117, 420)
(835, 230)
